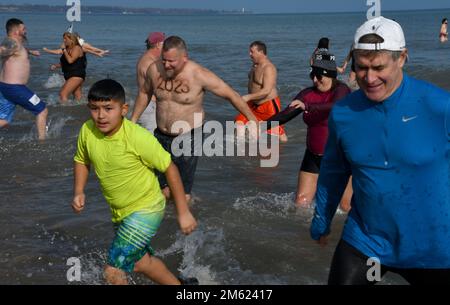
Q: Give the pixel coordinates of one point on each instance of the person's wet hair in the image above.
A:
(260, 46)
(444, 20)
(106, 90)
(324, 43)
(174, 42)
(12, 23)
(73, 37)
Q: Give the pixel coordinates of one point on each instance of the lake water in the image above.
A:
(249, 230)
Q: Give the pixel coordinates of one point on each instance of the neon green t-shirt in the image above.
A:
(124, 164)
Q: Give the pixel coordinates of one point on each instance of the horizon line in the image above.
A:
(248, 11)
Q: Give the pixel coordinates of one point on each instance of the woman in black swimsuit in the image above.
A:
(73, 64)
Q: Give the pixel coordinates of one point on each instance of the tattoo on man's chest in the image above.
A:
(170, 85)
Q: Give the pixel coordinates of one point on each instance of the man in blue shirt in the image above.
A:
(393, 136)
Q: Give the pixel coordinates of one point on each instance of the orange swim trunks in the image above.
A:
(263, 112)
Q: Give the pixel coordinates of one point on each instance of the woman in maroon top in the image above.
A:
(316, 102)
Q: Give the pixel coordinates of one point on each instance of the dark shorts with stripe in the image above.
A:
(22, 96)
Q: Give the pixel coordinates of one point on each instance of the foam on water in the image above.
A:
(190, 247)
(267, 203)
(52, 99)
(56, 125)
(54, 81)
(280, 205)
(205, 255)
(68, 245)
(30, 136)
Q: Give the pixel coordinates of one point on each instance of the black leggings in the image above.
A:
(349, 267)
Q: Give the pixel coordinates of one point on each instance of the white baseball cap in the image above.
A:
(389, 30)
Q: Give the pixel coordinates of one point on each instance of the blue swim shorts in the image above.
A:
(21, 95)
(7, 109)
(132, 241)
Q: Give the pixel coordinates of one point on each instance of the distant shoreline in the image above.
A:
(114, 10)
(28, 8)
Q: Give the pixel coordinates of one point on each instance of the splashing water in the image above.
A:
(208, 245)
(54, 81)
(267, 203)
(55, 126)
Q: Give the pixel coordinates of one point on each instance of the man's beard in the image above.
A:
(24, 38)
(170, 74)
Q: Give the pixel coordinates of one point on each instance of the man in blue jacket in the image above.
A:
(393, 136)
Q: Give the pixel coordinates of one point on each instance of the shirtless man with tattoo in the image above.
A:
(179, 85)
(14, 76)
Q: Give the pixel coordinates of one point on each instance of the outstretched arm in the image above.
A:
(54, 51)
(88, 48)
(213, 83)
(294, 109)
(80, 174)
(34, 52)
(186, 221)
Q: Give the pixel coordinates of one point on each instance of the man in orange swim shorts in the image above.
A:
(263, 97)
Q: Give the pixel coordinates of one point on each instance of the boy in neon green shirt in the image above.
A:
(124, 156)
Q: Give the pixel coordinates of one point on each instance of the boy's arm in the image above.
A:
(80, 174)
(186, 221)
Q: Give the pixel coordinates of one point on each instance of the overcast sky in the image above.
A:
(258, 6)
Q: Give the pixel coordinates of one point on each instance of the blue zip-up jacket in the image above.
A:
(398, 152)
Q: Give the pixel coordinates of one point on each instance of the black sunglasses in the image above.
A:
(318, 76)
